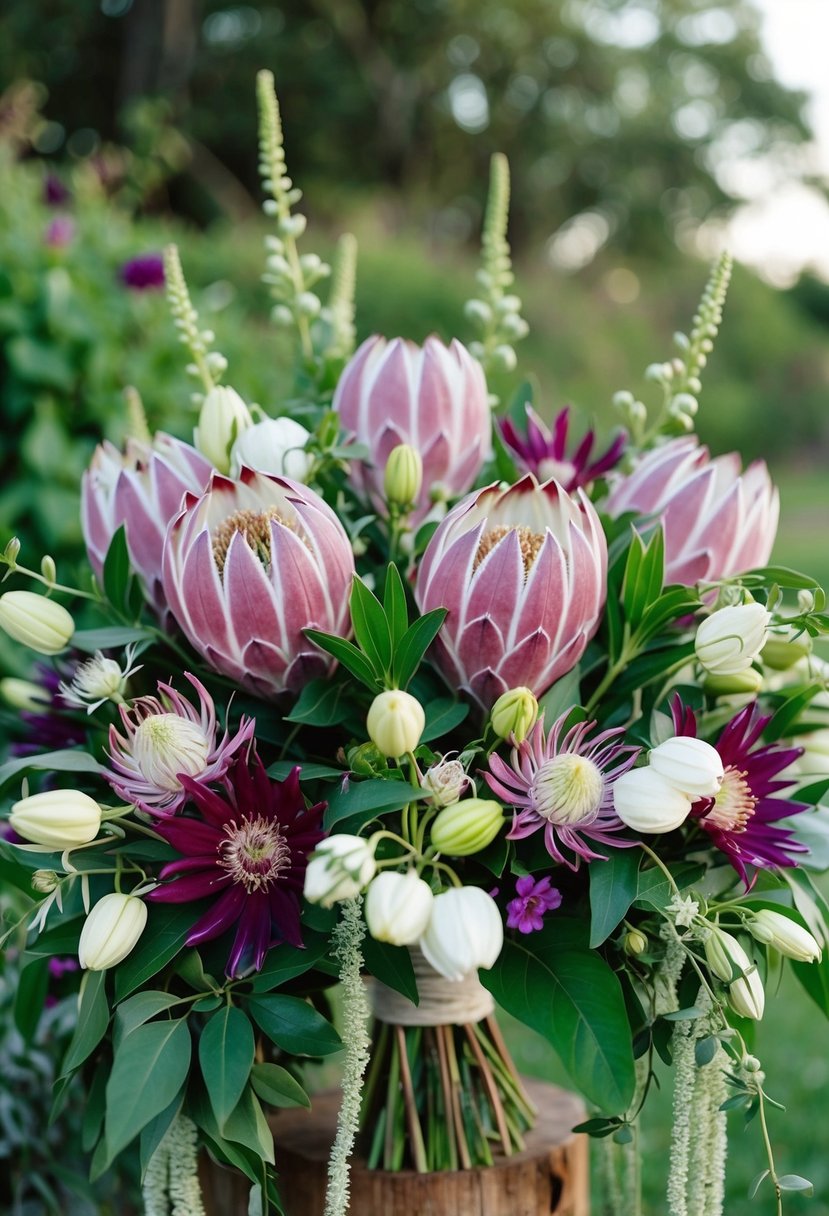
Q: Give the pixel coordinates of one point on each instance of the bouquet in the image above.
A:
(397, 686)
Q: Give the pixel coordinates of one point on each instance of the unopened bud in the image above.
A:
(749, 682)
(514, 713)
(223, 417)
(60, 819)
(23, 694)
(730, 640)
(45, 881)
(634, 943)
(36, 621)
(48, 568)
(398, 908)
(785, 648)
(403, 475)
(784, 934)
(395, 722)
(467, 827)
(111, 931)
(339, 868)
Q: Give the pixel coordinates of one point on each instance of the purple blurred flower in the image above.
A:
(563, 782)
(522, 573)
(144, 272)
(717, 521)
(248, 850)
(59, 967)
(432, 397)
(143, 488)
(166, 739)
(526, 912)
(55, 193)
(544, 452)
(249, 566)
(60, 232)
(742, 818)
(49, 728)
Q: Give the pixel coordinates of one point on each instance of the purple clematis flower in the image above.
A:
(742, 818)
(526, 912)
(544, 452)
(142, 273)
(248, 850)
(562, 782)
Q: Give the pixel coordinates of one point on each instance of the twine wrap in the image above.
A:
(442, 1002)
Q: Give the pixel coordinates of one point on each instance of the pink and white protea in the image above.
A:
(247, 567)
(141, 487)
(717, 521)
(164, 738)
(562, 782)
(522, 573)
(432, 397)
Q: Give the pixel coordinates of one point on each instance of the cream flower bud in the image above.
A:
(729, 640)
(720, 948)
(111, 931)
(645, 802)
(395, 722)
(742, 683)
(467, 827)
(23, 694)
(465, 932)
(514, 713)
(727, 958)
(403, 476)
(339, 868)
(275, 446)
(36, 621)
(634, 943)
(223, 417)
(785, 647)
(784, 934)
(398, 907)
(60, 819)
(691, 766)
(446, 781)
(45, 881)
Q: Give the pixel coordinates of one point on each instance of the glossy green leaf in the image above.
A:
(117, 570)
(443, 715)
(414, 644)
(346, 653)
(110, 637)
(65, 760)
(294, 1025)
(277, 1087)
(226, 1050)
(366, 799)
(321, 703)
(285, 962)
(371, 629)
(248, 1126)
(149, 1069)
(93, 1019)
(30, 996)
(155, 1131)
(613, 887)
(392, 965)
(394, 605)
(166, 932)
(138, 1009)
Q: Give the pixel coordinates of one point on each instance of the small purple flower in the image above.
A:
(60, 232)
(55, 193)
(59, 967)
(544, 452)
(143, 272)
(526, 912)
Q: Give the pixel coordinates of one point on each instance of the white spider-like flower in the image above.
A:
(98, 680)
(684, 911)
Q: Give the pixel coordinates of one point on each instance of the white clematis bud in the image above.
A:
(398, 907)
(465, 932)
(395, 722)
(275, 446)
(730, 640)
(35, 621)
(60, 819)
(784, 934)
(111, 931)
(645, 802)
(691, 766)
(222, 419)
(339, 868)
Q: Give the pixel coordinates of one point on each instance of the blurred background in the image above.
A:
(643, 136)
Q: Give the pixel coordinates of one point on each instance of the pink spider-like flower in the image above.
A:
(166, 738)
(432, 397)
(545, 453)
(561, 782)
(522, 573)
(717, 520)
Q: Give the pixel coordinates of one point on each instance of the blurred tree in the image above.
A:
(627, 121)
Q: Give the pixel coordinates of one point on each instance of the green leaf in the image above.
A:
(371, 629)
(705, 1050)
(93, 1019)
(248, 1126)
(321, 704)
(575, 1001)
(191, 969)
(226, 1050)
(794, 1182)
(117, 570)
(788, 713)
(814, 978)
(277, 1087)
(167, 929)
(676, 603)
(613, 887)
(294, 1025)
(92, 1121)
(156, 1130)
(282, 769)
(363, 800)
(392, 965)
(756, 1183)
(30, 996)
(564, 695)
(285, 962)
(138, 1009)
(149, 1069)
(108, 638)
(394, 605)
(442, 715)
(414, 644)
(654, 889)
(65, 760)
(346, 653)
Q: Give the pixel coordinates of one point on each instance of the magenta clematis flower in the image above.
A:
(742, 818)
(143, 488)
(432, 397)
(60, 232)
(533, 899)
(166, 738)
(249, 566)
(717, 521)
(544, 452)
(248, 849)
(562, 781)
(142, 273)
(522, 573)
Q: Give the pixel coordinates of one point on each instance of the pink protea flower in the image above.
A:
(522, 573)
(166, 738)
(432, 397)
(717, 521)
(545, 452)
(248, 852)
(247, 567)
(141, 487)
(562, 782)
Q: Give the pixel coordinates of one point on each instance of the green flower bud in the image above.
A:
(395, 722)
(36, 621)
(222, 419)
(365, 760)
(23, 694)
(467, 827)
(634, 943)
(748, 681)
(45, 881)
(403, 476)
(514, 713)
(782, 652)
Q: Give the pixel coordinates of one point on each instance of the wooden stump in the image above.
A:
(550, 1178)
